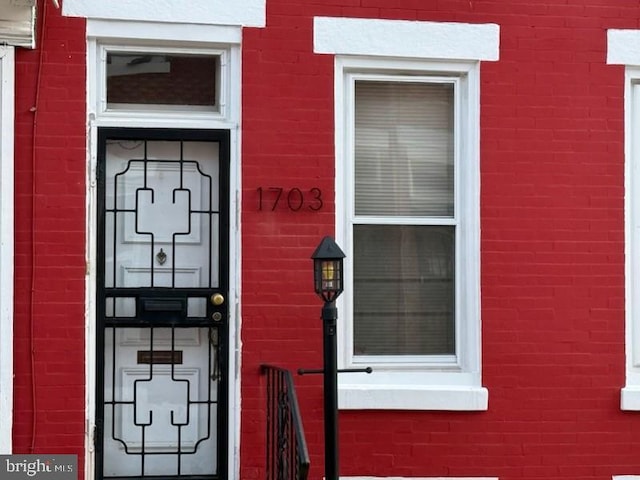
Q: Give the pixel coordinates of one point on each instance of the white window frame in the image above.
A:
(7, 89)
(425, 50)
(104, 35)
(151, 111)
(623, 48)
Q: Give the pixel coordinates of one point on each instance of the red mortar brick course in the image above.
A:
(552, 244)
(50, 240)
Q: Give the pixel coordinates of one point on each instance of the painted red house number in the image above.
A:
(294, 199)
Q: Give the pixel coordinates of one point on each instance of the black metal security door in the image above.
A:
(162, 310)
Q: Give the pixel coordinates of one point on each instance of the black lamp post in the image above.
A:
(328, 283)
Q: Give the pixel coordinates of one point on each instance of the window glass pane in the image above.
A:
(404, 148)
(404, 290)
(161, 79)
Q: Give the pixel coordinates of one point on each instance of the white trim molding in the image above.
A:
(437, 384)
(175, 33)
(622, 48)
(630, 394)
(247, 13)
(412, 396)
(409, 39)
(626, 477)
(7, 89)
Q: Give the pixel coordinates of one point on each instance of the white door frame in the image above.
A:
(192, 38)
(7, 91)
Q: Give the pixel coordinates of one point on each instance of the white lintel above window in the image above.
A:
(406, 39)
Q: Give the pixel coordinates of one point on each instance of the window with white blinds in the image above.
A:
(407, 145)
(404, 218)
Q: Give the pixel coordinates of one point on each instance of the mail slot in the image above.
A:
(161, 310)
(160, 357)
(162, 305)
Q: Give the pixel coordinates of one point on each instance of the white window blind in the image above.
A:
(404, 149)
(404, 292)
(17, 23)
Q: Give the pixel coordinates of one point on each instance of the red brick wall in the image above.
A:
(50, 238)
(552, 245)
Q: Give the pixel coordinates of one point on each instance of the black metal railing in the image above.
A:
(287, 454)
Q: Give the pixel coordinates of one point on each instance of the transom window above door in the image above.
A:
(151, 80)
(162, 79)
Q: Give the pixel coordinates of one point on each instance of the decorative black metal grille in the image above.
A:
(287, 455)
(198, 406)
(134, 212)
(163, 343)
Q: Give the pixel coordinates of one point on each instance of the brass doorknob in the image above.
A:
(217, 299)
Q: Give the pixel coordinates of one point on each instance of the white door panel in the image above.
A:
(160, 211)
(162, 380)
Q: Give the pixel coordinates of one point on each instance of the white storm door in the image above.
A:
(162, 310)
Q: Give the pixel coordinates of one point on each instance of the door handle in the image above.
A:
(217, 299)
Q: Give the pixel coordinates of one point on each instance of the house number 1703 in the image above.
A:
(294, 199)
